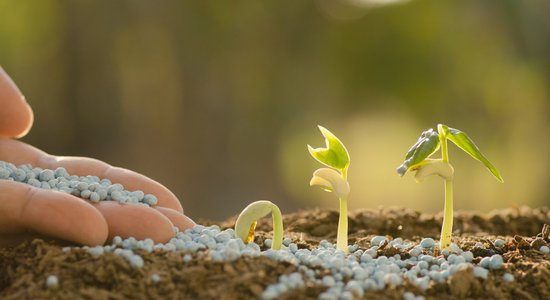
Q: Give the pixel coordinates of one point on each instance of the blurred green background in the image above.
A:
(218, 99)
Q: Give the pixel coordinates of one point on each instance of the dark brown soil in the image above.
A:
(24, 269)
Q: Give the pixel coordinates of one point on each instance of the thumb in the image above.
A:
(16, 115)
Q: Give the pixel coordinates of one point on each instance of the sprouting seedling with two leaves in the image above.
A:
(334, 179)
(418, 159)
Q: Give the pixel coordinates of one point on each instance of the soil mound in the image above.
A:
(24, 269)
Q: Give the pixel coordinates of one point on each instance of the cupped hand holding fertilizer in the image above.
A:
(41, 194)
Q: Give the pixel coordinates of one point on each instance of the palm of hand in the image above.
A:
(26, 210)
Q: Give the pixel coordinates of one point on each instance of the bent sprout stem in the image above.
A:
(246, 222)
(277, 227)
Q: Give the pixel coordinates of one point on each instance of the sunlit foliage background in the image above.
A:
(218, 99)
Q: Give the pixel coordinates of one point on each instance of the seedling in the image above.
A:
(246, 222)
(334, 179)
(417, 159)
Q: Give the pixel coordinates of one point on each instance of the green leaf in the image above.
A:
(426, 145)
(334, 154)
(463, 142)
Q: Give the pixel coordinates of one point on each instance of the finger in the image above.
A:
(16, 115)
(178, 219)
(21, 153)
(135, 220)
(52, 213)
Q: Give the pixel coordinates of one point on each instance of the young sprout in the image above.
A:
(417, 159)
(246, 222)
(334, 179)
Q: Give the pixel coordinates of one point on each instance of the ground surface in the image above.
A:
(24, 269)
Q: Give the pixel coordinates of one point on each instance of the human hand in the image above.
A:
(26, 210)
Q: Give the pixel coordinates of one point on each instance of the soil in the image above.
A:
(24, 268)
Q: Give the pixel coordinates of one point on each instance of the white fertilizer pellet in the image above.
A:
(88, 187)
(52, 282)
(507, 277)
(155, 278)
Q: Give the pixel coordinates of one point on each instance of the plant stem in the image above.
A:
(342, 237)
(277, 227)
(447, 227)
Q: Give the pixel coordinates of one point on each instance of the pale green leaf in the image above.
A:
(334, 155)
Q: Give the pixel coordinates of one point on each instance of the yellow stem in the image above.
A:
(447, 227)
(277, 227)
(342, 237)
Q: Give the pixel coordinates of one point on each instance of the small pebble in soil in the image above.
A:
(411, 296)
(499, 243)
(155, 278)
(371, 252)
(484, 263)
(427, 243)
(96, 251)
(52, 282)
(88, 187)
(135, 261)
(481, 272)
(455, 249)
(187, 258)
(285, 283)
(377, 240)
(507, 277)
(287, 241)
(495, 262)
(414, 252)
(468, 256)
